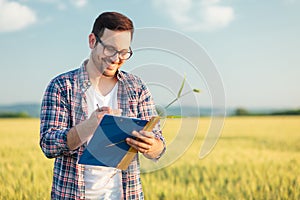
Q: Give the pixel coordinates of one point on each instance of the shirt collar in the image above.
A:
(120, 75)
(84, 80)
(83, 77)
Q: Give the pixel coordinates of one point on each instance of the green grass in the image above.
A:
(255, 158)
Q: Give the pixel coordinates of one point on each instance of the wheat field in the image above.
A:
(255, 158)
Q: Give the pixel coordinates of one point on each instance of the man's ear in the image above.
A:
(92, 41)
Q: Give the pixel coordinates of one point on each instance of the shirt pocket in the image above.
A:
(133, 108)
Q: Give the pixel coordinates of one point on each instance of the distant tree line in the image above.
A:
(245, 112)
(287, 112)
(14, 115)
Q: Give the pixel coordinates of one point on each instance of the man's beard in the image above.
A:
(108, 62)
(109, 75)
(101, 69)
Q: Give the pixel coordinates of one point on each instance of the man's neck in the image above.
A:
(103, 84)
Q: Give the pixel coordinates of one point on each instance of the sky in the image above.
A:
(253, 48)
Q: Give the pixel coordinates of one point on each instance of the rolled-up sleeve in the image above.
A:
(146, 110)
(55, 122)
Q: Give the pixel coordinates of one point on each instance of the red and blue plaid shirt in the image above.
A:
(64, 106)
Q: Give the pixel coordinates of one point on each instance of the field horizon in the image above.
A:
(33, 110)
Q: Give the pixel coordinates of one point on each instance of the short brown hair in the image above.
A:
(113, 21)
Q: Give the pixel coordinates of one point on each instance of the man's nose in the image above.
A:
(115, 58)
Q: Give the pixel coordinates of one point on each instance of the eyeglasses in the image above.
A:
(110, 51)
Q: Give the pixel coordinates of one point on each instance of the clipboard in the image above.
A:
(108, 147)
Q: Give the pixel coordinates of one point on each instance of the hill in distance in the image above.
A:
(33, 110)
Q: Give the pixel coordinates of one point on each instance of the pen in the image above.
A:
(99, 108)
(113, 144)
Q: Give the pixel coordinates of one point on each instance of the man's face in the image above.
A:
(111, 40)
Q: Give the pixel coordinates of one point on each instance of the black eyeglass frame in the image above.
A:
(130, 52)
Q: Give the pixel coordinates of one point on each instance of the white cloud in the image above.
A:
(79, 3)
(14, 16)
(61, 6)
(197, 15)
(290, 1)
(64, 5)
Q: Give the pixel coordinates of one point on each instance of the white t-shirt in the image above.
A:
(102, 182)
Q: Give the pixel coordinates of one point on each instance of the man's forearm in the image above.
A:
(73, 139)
(82, 132)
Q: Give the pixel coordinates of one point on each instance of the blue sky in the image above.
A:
(254, 45)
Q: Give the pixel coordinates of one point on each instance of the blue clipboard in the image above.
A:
(107, 147)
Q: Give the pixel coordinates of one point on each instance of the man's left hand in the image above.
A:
(146, 143)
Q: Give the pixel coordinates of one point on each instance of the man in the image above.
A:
(69, 116)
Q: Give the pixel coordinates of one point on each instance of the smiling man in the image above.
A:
(69, 116)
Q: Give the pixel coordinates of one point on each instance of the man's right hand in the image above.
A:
(82, 132)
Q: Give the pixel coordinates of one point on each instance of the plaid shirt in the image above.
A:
(64, 106)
